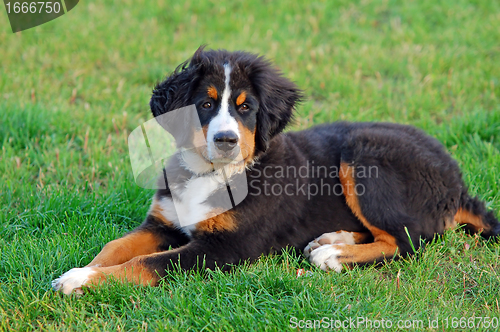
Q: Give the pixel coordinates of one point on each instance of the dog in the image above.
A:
(344, 193)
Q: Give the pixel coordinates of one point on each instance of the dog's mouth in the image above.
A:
(216, 156)
(218, 160)
(202, 159)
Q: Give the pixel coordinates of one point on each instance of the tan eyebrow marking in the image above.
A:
(212, 92)
(241, 98)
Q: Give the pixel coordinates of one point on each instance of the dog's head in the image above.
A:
(242, 102)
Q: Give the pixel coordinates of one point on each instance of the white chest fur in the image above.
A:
(190, 205)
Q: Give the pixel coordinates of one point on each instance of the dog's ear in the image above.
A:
(176, 90)
(175, 93)
(277, 99)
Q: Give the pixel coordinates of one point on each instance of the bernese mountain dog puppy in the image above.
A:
(344, 193)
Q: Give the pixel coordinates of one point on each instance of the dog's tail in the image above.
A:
(477, 219)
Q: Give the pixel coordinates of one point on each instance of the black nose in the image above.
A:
(226, 140)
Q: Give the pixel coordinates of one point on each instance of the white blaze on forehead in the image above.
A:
(223, 121)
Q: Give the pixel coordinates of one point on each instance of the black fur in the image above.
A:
(476, 207)
(417, 188)
(276, 95)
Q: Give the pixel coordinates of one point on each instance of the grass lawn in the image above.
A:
(71, 90)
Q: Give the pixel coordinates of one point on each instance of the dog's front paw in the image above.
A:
(340, 237)
(326, 257)
(73, 280)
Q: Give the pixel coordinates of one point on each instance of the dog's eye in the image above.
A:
(207, 105)
(244, 107)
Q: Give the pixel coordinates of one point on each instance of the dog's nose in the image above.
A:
(226, 140)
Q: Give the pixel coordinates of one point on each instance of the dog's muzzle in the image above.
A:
(226, 145)
(225, 141)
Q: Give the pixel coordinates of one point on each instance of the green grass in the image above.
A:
(72, 89)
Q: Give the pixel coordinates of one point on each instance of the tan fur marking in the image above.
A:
(219, 222)
(465, 217)
(156, 211)
(384, 244)
(212, 92)
(241, 98)
(450, 223)
(360, 237)
(200, 137)
(130, 271)
(200, 141)
(124, 249)
(366, 253)
(247, 142)
(205, 131)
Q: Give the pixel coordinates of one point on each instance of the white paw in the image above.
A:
(74, 279)
(326, 257)
(341, 237)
